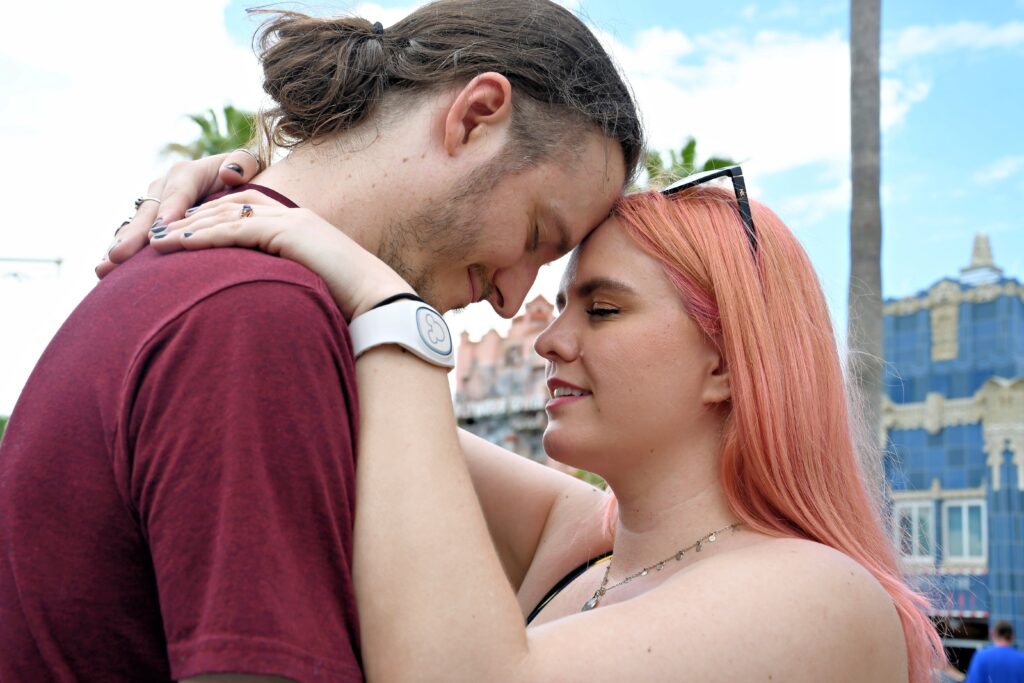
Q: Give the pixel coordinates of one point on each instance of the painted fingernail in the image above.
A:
(159, 237)
(113, 246)
(158, 221)
(189, 212)
(121, 227)
(234, 167)
(158, 229)
(187, 234)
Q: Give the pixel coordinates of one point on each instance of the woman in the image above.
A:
(692, 366)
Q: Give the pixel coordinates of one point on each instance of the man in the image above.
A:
(1000, 663)
(176, 482)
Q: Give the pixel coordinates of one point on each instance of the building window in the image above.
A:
(965, 530)
(915, 530)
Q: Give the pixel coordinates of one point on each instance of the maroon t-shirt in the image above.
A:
(177, 482)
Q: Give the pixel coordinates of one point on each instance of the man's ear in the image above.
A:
(717, 383)
(480, 109)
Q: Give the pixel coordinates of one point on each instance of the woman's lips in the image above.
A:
(563, 400)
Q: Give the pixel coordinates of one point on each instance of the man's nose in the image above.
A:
(511, 286)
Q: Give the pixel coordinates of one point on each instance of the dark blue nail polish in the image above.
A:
(189, 212)
(234, 167)
(158, 229)
(187, 234)
(159, 237)
(158, 221)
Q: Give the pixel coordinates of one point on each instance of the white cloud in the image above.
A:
(898, 97)
(750, 11)
(918, 41)
(807, 209)
(1000, 170)
(779, 101)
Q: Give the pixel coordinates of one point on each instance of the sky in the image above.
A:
(85, 113)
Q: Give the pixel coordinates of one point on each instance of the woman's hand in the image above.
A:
(356, 278)
(186, 184)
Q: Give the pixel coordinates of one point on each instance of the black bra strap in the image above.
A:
(560, 586)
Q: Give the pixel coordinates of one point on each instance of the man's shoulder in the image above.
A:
(217, 267)
(171, 285)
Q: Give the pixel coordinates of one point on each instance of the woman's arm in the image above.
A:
(533, 513)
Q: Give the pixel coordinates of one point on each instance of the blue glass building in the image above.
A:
(953, 413)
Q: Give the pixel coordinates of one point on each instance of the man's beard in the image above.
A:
(446, 230)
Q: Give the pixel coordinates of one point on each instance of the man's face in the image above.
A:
(476, 244)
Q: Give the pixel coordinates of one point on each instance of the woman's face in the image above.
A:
(630, 374)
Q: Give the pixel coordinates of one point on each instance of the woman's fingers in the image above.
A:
(239, 167)
(129, 233)
(236, 199)
(186, 183)
(221, 224)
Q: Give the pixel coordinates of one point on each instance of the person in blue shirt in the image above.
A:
(1001, 663)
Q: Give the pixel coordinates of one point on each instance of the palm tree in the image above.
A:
(864, 327)
(238, 131)
(679, 165)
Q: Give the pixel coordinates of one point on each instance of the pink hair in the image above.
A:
(789, 464)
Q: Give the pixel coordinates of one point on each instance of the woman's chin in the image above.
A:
(573, 447)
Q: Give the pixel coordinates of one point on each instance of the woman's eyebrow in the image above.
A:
(594, 284)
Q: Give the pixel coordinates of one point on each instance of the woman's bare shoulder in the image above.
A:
(823, 603)
(775, 609)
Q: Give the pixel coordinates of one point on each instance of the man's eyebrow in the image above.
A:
(585, 289)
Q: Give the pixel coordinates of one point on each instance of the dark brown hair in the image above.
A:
(1004, 630)
(329, 74)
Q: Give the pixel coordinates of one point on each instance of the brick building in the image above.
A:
(500, 389)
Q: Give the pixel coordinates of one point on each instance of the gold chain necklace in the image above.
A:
(657, 566)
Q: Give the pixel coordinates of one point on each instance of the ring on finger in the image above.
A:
(255, 157)
(142, 200)
(246, 211)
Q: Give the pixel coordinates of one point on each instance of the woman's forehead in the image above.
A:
(608, 251)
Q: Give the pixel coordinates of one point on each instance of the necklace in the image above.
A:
(657, 566)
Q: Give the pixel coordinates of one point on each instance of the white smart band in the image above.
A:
(413, 325)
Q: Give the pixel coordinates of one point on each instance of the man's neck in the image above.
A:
(335, 190)
(367, 179)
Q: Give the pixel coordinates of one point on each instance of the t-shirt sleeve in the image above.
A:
(240, 437)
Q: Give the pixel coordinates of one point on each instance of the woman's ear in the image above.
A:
(717, 386)
(481, 108)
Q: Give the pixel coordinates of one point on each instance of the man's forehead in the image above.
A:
(597, 181)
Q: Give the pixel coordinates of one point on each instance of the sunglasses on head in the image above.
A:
(734, 172)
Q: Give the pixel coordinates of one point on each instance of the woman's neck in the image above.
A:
(665, 509)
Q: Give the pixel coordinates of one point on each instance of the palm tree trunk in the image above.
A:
(864, 332)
